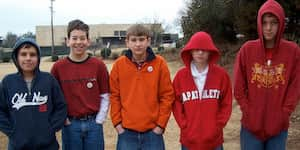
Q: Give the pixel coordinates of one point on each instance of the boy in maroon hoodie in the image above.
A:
(266, 82)
(203, 95)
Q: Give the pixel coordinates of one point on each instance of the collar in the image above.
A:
(196, 73)
(150, 54)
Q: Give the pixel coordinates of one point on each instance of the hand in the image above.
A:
(158, 130)
(67, 122)
(120, 129)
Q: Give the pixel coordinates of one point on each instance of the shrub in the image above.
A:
(5, 59)
(6, 55)
(105, 52)
(114, 55)
(54, 58)
(123, 52)
(161, 48)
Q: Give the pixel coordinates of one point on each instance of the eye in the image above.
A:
(142, 39)
(274, 22)
(82, 38)
(74, 38)
(22, 54)
(33, 54)
(133, 40)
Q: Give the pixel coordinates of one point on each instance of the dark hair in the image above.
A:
(25, 46)
(78, 25)
(138, 30)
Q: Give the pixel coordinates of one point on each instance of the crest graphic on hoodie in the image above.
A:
(268, 76)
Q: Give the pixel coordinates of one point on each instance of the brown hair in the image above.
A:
(78, 25)
(138, 30)
(26, 45)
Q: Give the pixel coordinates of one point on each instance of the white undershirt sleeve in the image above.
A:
(101, 116)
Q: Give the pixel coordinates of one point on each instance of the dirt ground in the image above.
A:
(171, 136)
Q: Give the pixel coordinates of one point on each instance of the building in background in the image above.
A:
(101, 35)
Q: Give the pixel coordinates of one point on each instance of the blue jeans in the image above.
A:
(132, 140)
(218, 148)
(83, 135)
(250, 142)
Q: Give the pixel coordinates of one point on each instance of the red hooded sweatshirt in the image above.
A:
(202, 116)
(267, 92)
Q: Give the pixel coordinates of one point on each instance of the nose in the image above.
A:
(77, 41)
(28, 56)
(268, 26)
(199, 51)
(138, 43)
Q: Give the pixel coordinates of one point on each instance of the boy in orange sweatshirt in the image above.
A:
(141, 94)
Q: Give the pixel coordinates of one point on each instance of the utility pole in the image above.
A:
(52, 34)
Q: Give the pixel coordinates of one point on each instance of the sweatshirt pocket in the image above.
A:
(285, 120)
(45, 134)
(210, 132)
(274, 122)
(254, 119)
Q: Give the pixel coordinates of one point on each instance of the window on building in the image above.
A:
(116, 33)
(123, 33)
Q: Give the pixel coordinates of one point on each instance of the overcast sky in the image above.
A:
(21, 16)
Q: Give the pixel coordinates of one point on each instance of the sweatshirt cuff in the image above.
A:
(287, 111)
(115, 125)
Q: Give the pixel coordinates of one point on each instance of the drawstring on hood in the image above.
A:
(16, 49)
(272, 7)
(200, 41)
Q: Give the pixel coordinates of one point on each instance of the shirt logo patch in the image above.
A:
(268, 76)
(198, 95)
(43, 108)
(19, 100)
(150, 69)
(89, 85)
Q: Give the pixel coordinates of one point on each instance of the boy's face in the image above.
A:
(138, 44)
(200, 56)
(78, 42)
(270, 25)
(27, 59)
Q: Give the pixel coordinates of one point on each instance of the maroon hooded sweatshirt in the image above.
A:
(202, 116)
(267, 92)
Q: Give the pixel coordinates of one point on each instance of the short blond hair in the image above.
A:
(137, 30)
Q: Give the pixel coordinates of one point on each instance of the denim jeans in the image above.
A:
(132, 140)
(250, 142)
(83, 135)
(218, 148)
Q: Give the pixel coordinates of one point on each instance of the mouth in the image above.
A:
(269, 33)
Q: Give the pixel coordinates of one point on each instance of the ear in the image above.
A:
(67, 40)
(126, 42)
(88, 42)
(149, 41)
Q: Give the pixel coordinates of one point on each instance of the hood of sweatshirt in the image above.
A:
(16, 49)
(273, 7)
(200, 41)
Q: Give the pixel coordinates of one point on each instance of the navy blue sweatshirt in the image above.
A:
(30, 117)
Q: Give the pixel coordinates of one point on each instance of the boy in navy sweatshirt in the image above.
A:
(32, 106)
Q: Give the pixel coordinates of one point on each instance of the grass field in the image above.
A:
(171, 136)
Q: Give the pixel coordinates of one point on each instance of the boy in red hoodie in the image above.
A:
(203, 95)
(266, 82)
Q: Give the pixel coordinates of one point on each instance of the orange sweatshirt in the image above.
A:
(141, 99)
